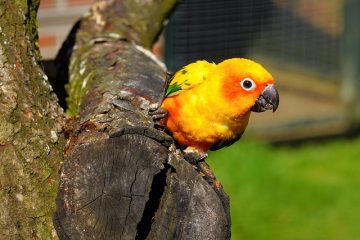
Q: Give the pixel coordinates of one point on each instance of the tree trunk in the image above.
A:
(31, 142)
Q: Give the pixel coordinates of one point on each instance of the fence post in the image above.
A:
(350, 61)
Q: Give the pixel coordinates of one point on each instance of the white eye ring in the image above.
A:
(248, 84)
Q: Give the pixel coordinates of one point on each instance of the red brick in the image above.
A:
(47, 40)
(79, 2)
(47, 3)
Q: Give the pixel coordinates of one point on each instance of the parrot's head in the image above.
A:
(249, 84)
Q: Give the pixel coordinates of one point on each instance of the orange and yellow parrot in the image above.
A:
(208, 105)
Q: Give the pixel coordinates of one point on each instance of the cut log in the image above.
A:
(122, 178)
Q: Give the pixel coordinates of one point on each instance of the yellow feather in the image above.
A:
(190, 76)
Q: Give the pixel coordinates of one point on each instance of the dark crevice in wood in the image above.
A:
(157, 189)
(90, 202)
(131, 199)
(59, 228)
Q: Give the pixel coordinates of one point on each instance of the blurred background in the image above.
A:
(296, 172)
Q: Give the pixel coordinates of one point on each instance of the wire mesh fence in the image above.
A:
(300, 41)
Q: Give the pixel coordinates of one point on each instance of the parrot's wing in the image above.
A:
(188, 77)
(226, 143)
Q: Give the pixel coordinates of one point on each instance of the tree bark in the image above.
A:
(122, 178)
(31, 142)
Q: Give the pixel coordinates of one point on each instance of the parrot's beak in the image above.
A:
(268, 99)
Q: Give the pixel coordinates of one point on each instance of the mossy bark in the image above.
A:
(31, 142)
(137, 22)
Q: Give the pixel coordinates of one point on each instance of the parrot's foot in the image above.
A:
(204, 171)
(194, 155)
(157, 113)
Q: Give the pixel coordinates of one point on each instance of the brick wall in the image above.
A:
(56, 17)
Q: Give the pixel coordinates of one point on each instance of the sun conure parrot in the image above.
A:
(208, 105)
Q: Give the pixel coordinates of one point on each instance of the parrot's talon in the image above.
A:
(157, 113)
(206, 173)
(157, 117)
(194, 156)
(197, 158)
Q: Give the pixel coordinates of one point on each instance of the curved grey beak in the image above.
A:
(269, 99)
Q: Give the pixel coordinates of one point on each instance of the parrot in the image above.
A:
(208, 105)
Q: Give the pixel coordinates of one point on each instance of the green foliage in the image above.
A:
(307, 192)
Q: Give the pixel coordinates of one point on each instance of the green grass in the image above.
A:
(289, 193)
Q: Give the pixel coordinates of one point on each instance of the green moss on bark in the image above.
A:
(81, 73)
(30, 117)
(133, 21)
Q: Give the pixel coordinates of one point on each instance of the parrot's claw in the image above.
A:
(157, 113)
(205, 171)
(194, 156)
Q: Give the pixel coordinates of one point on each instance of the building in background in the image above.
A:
(56, 17)
(298, 41)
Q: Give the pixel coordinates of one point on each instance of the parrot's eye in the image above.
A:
(247, 84)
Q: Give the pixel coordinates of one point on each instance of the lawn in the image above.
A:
(308, 192)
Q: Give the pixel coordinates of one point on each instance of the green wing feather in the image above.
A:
(188, 77)
(172, 89)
